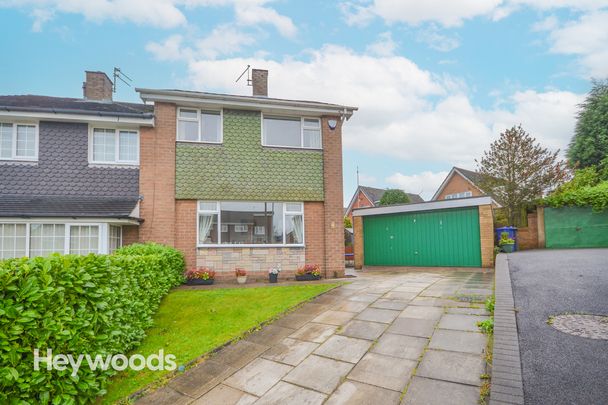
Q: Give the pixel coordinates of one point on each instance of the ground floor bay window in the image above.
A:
(250, 223)
(19, 239)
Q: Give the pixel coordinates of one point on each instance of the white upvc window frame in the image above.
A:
(463, 194)
(103, 238)
(117, 161)
(302, 127)
(198, 120)
(218, 212)
(14, 156)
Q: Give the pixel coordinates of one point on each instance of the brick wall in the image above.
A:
(334, 211)
(256, 261)
(527, 238)
(185, 230)
(97, 86)
(157, 177)
(486, 234)
(314, 227)
(458, 184)
(358, 232)
(130, 234)
(361, 201)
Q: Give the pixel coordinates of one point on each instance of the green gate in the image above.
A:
(575, 227)
(448, 237)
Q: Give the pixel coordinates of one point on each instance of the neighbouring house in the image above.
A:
(459, 183)
(248, 181)
(370, 197)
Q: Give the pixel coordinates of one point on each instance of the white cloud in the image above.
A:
(405, 112)
(384, 46)
(41, 16)
(254, 14)
(168, 50)
(425, 184)
(437, 41)
(587, 38)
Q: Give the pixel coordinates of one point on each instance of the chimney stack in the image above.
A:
(259, 82)
(97, 86)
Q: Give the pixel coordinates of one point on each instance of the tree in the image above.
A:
(394, 196)
(347, 222)
(517, 170)
(589, 145)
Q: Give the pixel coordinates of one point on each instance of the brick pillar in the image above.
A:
(314, 229)
(185, 230)
(157, 177)
(334, 211)
(540, 222)
(486, 234)
(358, 231)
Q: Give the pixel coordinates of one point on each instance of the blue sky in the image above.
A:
(435, 81)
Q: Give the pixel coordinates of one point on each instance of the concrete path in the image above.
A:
(367, 342)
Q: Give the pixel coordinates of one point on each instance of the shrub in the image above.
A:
(490, 303)
(95, 304)
(505, 240)
(313, 269)
(239, 272)
(200, 273)
(486, 326)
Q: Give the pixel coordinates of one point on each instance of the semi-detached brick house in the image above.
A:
(246, 181)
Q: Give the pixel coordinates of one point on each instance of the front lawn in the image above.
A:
(190, 323)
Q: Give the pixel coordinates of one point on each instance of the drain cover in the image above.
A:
(589, 326)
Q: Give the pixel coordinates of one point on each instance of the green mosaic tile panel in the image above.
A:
(241, 169)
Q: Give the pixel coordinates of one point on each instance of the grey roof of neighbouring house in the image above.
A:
(474, 177)
(375, 194)
(33, 103)
(24, 206)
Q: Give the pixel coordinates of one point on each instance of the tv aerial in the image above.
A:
(248, 72)
(119, 75)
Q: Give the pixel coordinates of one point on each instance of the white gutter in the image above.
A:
(77, 118)
(243, 102)
(425, 206)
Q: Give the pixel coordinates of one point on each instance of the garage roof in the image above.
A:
(424, 206)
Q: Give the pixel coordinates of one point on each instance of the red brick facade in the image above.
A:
(361, 201)
(174, 222)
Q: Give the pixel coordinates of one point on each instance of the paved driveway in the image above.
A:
(363, 343)
(560, 368)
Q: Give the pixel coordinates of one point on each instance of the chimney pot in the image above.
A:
(259, 82)
(97, 86)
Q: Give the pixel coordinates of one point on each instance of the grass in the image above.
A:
(190, 323)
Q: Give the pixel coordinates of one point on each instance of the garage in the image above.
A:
(449, 233)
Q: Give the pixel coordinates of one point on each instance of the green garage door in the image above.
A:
(447, 237)
(575, 227)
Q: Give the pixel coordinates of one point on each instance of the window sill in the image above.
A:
(250, 246)
(200, 142)
(115, 165)
(294, 148)
(19, 161)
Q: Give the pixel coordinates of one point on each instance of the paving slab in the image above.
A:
(418, 312)
(337, 318)
(270, 334)
(314, 332)
(395, 305)
(344, 348)
(458, 341)
(285, 393)
(290, 351)
(369, 298)
(239, 353)
(437, 302)
(399, 295)
(312, 309)
(225, 395)
(258, 376)
(462, 368)
(378, 315)
(424, 391)
(410, 288)
(353, 392)
(412, 327)
(294, 320)
(164, 395)
(468, 311)
(383, 371)
(351, 306)
(201, 378)
(461, 322)
(363, 330)
(319, 373)
(326, 299)
(405, 347)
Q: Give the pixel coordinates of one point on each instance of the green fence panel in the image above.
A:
(575, 227)
(448, 237)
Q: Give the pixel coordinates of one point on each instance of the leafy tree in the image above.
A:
(589, 145)
(517, 171)
(347, 222)
(394, 196)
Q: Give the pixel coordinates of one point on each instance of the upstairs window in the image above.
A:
(18, 141)
(292, 132)
(199, 126)
(115, 146)
(464, 194)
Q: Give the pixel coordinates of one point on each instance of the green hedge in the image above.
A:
(590, 196)
(95, 304)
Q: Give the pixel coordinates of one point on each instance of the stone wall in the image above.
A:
(256, 261)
